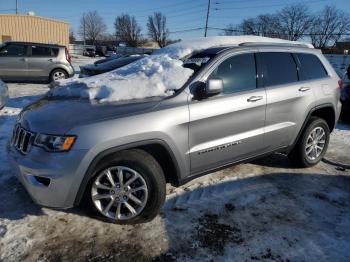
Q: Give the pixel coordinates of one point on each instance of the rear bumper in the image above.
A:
(71, 72)
(58, 168)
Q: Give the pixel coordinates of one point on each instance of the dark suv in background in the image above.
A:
(33, 61)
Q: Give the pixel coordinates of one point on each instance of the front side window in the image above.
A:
(237, 72)
(41, 51)
(278, 68)
(310, 67)
(15, 50)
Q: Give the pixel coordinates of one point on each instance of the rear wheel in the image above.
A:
(58, 74)
(127, 188)
(312, 145)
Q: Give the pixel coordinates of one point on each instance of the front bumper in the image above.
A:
(60, 169)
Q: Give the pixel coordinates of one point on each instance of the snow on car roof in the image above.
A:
(186, 47)
(156, 75)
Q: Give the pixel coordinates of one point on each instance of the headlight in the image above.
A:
(54, 143)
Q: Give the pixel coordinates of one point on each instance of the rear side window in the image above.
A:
(278, 68)
(54, 51)
(41, 51)
(310, 67)
(237, 72)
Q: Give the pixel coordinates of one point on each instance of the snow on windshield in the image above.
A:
(156, 75)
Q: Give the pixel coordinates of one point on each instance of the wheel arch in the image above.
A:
(159, 149)
(324, 111)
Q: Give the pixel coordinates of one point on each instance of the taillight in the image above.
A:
(68, 58)
(340, 84)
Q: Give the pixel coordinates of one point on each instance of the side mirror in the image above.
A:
(202, 90)
(214, 87)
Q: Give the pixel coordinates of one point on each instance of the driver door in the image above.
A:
(228, 127)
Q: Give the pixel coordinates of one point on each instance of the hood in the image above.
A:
(59, 116)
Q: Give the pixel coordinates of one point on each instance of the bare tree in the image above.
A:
(294, 21)
(249, 27)
(127, 30)
(157, 29)
(92, 26)
(329, 26)
(263, 25)
(232, 30)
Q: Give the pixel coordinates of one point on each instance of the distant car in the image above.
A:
(33, 61)
(4, 93)
(114, 56)
(345, 98)
(96, 69)
(89, 52)
(101, 50)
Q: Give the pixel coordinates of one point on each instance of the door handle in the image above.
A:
(24, 59)
(50, 60)
(254, 98)
(304, 89)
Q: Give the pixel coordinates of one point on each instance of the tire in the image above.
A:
(132, 163)
(58, 74)
(299, 155)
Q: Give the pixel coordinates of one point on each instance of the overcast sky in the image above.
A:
(181, 14)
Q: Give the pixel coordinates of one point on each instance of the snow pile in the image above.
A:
(151, 76)
(186, 47)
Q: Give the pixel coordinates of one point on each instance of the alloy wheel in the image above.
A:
(58, 76)
(315, 143)
(119, 193)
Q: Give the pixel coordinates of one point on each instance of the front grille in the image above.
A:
(22, 139)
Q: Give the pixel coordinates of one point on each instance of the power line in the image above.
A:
(263, 6)
(7, 10)
(187, 30)
(271, 33)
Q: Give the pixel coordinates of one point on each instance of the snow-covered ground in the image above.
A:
(265, 210)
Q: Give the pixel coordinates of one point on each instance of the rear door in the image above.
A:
(288, 100)
(13, 61)
(228, 127)
(41, 61)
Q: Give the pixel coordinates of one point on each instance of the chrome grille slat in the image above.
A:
(22, 139)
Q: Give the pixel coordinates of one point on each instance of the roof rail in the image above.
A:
(274, 44)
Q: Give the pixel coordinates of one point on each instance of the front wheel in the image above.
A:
(127, 188)
(312, 145)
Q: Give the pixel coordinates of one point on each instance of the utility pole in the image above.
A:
(84, 29)
(16, 7)
(206, 22)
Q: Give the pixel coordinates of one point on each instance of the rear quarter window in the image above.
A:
(54, 51)
(310, 67)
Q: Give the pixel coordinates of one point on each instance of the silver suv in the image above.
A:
(33, 61)
(240, 103)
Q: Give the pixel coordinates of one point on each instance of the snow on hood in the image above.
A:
(186, 47)
(156, 75)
